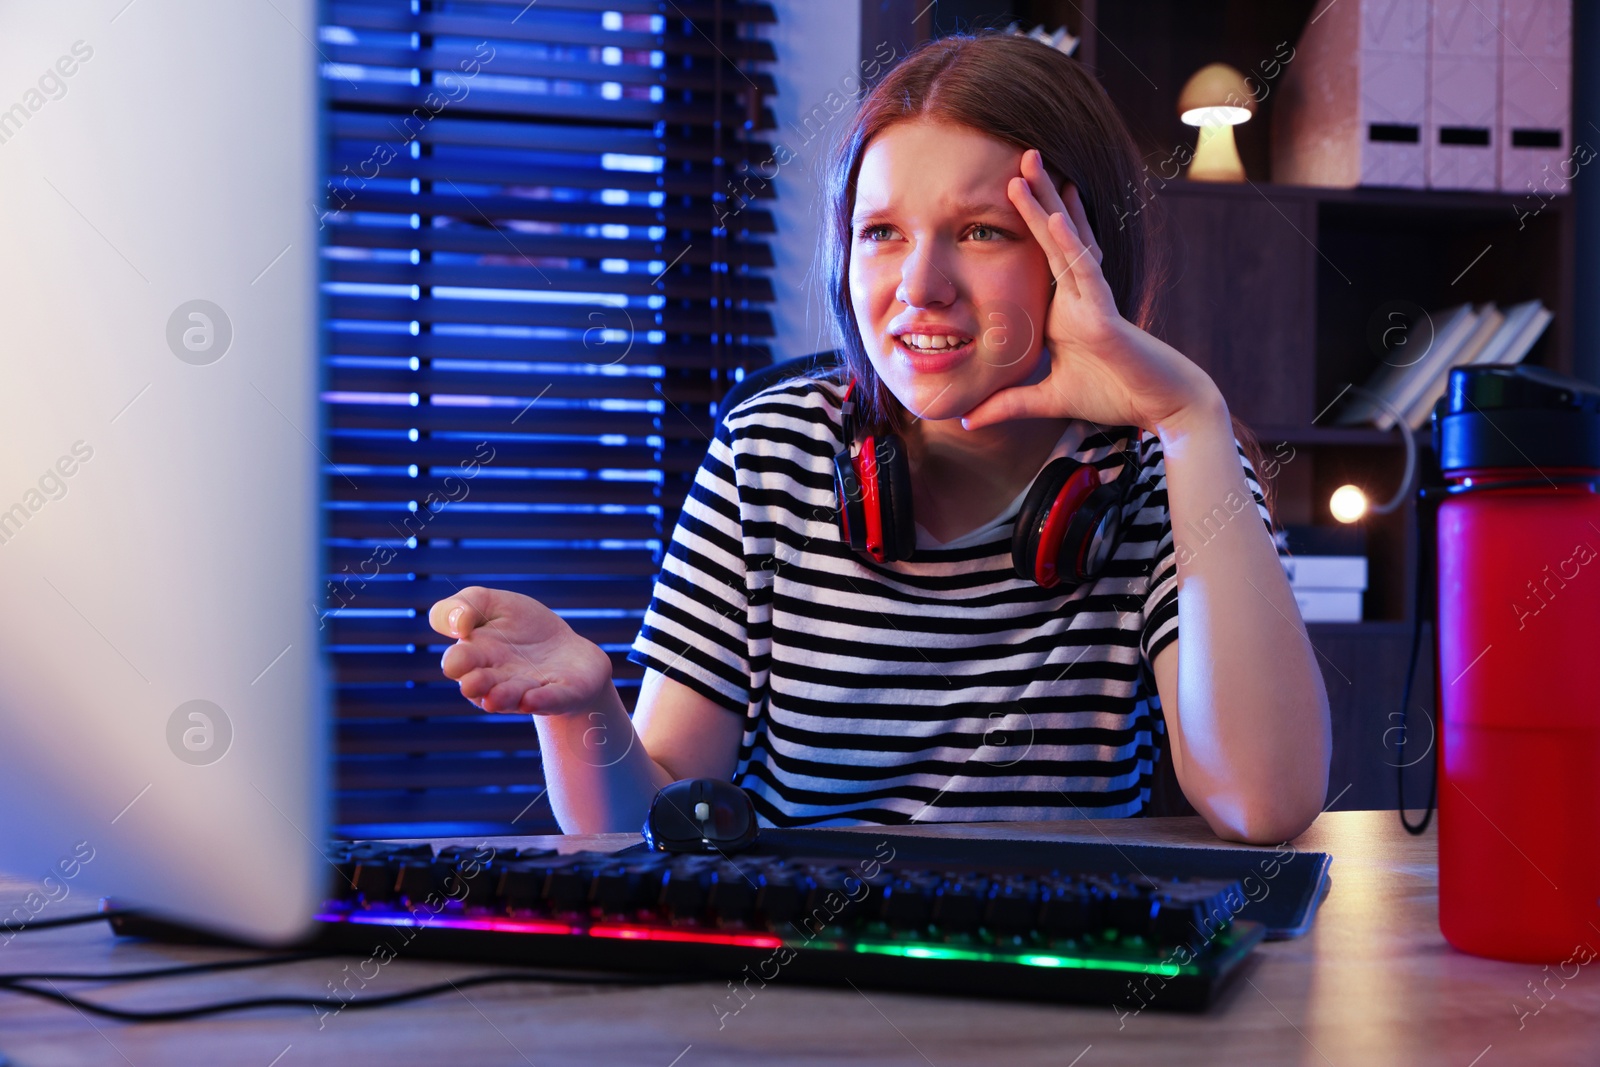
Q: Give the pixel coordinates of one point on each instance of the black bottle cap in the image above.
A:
(1516, 416)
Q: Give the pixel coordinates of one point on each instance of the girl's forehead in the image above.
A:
(917, 135)
(941, 166)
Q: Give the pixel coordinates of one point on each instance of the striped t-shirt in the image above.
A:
(934, 689)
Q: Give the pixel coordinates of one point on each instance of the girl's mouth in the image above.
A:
(937, 346)
(931, 359)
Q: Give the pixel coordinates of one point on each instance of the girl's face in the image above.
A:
(938, 248)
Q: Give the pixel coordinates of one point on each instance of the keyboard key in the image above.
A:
(1192, 913)
(617, 890)
(375, 879)
(1013, 907)
(568, 888)
(1069, 908)
(521, 885)
(782, 897)
(958, 904)
(683, 894)
(908, 901)
(732, 898)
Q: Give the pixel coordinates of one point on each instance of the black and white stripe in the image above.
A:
(939, 688)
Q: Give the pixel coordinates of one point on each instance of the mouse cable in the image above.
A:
(332, 1004)
(66, 920)
(173, 971)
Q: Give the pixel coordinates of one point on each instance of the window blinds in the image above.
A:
(535, 294)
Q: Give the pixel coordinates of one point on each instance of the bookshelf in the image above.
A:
(1271, 289)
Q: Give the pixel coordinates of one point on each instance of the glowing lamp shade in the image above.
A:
(1216, 99)
(1348, 504)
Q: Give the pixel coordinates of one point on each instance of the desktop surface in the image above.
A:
(1373, 982)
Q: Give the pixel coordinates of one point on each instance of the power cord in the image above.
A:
(175, 971)
(19, 982)
(324, 1003)
(68, 920)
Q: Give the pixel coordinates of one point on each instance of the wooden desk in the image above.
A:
(1372, 984)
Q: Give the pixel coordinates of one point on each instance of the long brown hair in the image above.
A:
(1027, 94)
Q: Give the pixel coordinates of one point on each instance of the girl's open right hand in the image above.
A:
(513, 654)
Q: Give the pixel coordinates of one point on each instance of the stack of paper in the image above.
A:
(1327, 588)
(1415, 374)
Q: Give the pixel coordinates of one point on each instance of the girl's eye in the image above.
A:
(866, 232)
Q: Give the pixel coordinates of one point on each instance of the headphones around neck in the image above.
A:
(1070, 523)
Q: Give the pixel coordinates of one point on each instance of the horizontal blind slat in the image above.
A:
(512, 733)
(687, 354)
(548, 386)
(534, 277)
(453, 522)
(556, 594)
(427, 699)
(353, 667)
(374, 812)
(692, 144)
(703, 11)
(521, 246)
(436, 452)
(458, 59)
(437, 772)
(487, 209)
(439, 418)
(683, 180)
(416, 631)
(573, 317)
(429, 101)
(693, 42)
(567, 491)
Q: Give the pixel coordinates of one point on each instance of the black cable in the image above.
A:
(175, 971)
(68, 920)
(330, 1004)
(1405, 694)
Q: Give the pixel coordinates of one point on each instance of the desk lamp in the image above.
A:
(1216, 99)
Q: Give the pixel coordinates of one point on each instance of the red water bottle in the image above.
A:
(1518, 634)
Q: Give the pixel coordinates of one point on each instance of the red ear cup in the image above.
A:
(866, 468)
(894, 492)
(1069, 524)
(873, 489)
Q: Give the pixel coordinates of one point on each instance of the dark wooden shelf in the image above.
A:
(1341, 436)
(1383, 628)
(1274, 290)
(1451, 201)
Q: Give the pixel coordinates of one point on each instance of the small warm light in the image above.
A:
(1216, 99)
(1348, 503)
(1215, 116)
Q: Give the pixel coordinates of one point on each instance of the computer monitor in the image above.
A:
(163, 703)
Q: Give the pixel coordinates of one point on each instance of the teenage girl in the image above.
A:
(988, 272)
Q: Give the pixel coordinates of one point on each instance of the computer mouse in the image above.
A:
(700, 815)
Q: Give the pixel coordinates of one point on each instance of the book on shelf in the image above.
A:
(1310, 539)
(1399, 379)
(1327, 569)
(1462, 336)
(1329, 605)
(1519, 327)
(1326, 572)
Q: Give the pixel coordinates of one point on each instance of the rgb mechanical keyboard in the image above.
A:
(802, 910)
(1131, 925)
